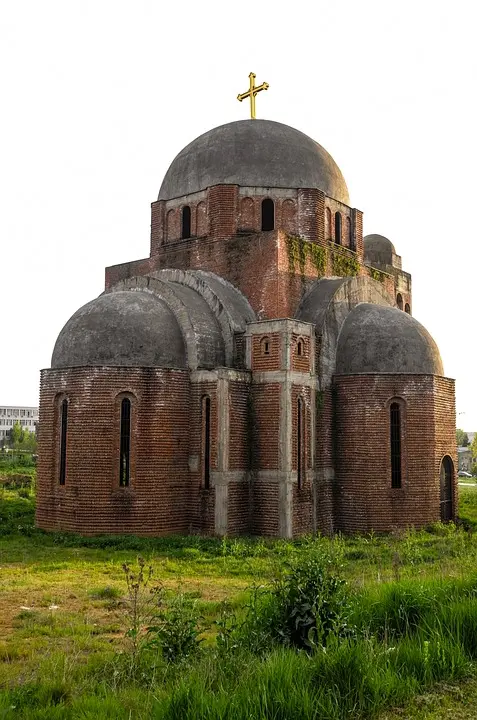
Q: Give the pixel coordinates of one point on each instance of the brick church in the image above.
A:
(260, 372)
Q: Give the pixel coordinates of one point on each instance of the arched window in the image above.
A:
(446, 482)
(63, 439)
(185, 224)
(407, 308)
(399, 302)
(206, 442)
(300, 438)
(265, 346)
(300, 347)
(125, 443)
(268, 214)
(327, 224)
(338, 228)
(395, 425)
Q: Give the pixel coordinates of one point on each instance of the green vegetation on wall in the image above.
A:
(298, 249)
(344, 264)
(377, 275)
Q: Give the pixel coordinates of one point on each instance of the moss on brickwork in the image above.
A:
(378, 275)
(343, 264)
(298, 249)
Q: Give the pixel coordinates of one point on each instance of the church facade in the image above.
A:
(259, 373)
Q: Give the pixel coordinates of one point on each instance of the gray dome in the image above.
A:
(378, 250)
(255, 153)
(379, 339)
(124, 328)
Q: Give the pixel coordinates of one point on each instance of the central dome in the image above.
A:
(254, 153)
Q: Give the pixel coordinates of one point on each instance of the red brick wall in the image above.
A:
(302, 496)
(201, 501)
(271, 361)
(157, 225)
(311, 215)
(223, 210)
(265, 425)
(300, 363)
(247, 221)
(239, 507)
(365, 499)
(444, 423)
(240, 426)
(265, 410)
(91, 500)
(202, 223)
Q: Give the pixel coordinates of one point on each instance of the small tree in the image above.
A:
(473, 447)
(462, 438)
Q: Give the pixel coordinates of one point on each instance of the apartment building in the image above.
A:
(11, 414)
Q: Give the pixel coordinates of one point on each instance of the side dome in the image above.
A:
(124, 328)
(379, 339)
(254, 153)
(378, 250)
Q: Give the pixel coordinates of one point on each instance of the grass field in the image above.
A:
(409, 641)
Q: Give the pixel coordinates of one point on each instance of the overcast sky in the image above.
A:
(98, 97)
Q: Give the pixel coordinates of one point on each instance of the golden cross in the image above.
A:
(252, 92)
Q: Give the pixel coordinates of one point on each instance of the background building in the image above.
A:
(12, 414)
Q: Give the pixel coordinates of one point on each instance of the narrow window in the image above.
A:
(185, 222)
(125, 443)
(265, 345)
(338, 228)
(268, 214)
(399, 301)
(206, 441)
(63, 438)
(299, 348)
(407, 308)
(395, 412)
(300, 436)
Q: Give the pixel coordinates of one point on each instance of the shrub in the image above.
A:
(301, 609)
(175, 631)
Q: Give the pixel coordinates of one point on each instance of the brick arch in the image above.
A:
(247, 214)
(201, 219)
(172, 225)
(327, 305)
(222, 298)
(288, 211)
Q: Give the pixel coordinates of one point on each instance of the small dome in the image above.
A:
(124, 328)
(254, 153)
(380, 339)
(378, 250)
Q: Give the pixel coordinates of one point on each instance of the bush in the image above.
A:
(176, 631)
(301, 609)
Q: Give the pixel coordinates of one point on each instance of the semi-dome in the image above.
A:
(380, 339)
(378, 250)
(124, 328)
(254, 153)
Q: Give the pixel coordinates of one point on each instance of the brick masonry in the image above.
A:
(253, 481)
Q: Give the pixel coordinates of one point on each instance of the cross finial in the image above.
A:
(251, 92)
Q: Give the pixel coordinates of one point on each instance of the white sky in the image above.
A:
(97, 97)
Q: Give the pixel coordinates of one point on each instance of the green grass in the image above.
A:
(63, 616)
